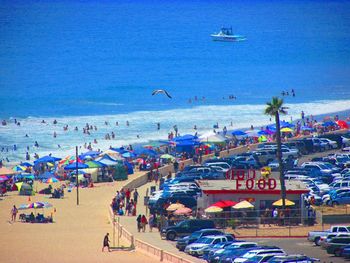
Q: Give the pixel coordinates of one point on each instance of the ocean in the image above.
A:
(94, 61)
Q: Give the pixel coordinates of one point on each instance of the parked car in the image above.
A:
(313, 236)
(336, 244)
(345, 252)
(197, 248)
(341, 199)
(213, 256)
(257, 252)
(292, 259)
(330, 144)
(186, 228)
(183, 242)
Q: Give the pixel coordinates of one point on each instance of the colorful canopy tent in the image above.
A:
(213, 209)
(3, 178)
(224, 203)
(6, 171)
(279, 203)
(141, 151)
(243, 205)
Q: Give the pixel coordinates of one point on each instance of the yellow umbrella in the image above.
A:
(213, 209)
(174, 207)
(286, 129)
(279, 203)
(243, 204)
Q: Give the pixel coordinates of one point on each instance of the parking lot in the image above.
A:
(300, 246)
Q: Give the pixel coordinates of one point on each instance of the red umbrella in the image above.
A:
(343, 124)
(224, 203)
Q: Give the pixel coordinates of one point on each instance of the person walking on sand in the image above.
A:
(143, 223)
(14, 212)
(151, 222)
(106, 243)
(138, 220)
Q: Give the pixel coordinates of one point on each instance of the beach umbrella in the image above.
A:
(174, 207)
(26, 164)
(206, 135)
(35, 205)
(253, 133)
(183, 211)
(239, 133)
(167, 156)
(279, 203)
(6, 171)
(73, 166)
(242, 205)
(286, 130)
(3, 178)
(262, 138)
(47, 159)
(19, 168)
(213, 209)
(343, 124)
(51, 180)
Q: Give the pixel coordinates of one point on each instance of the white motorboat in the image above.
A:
(226, 34)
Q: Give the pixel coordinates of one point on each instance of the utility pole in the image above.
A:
(76, 172)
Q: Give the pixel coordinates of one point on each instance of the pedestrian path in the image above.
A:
(152, 238)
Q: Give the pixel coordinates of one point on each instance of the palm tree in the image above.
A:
(275, 108)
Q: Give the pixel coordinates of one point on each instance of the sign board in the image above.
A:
(247, 180)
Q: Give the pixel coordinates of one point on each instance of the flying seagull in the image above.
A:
(161, 91)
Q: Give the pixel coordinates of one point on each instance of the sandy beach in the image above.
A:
(76, 235)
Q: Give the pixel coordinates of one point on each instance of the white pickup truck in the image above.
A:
(315, 236)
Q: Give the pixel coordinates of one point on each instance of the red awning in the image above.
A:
(224, 203)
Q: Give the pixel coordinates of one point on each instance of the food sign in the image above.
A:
(247, 180)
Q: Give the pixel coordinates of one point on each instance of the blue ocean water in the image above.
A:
(70, 60)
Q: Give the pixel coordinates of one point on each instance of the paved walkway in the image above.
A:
(152, 238)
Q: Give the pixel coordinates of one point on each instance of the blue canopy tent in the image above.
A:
(107, 160)
(47, 159)
(26, 164)
(73, 166)
(144, 151)
(186, 146)
(128, 155)
(186, 137)
(120, 150)
(93, 154)
(129, 167)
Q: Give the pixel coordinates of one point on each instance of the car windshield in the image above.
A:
(205, 240)
(325, 166)
(195, 235)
